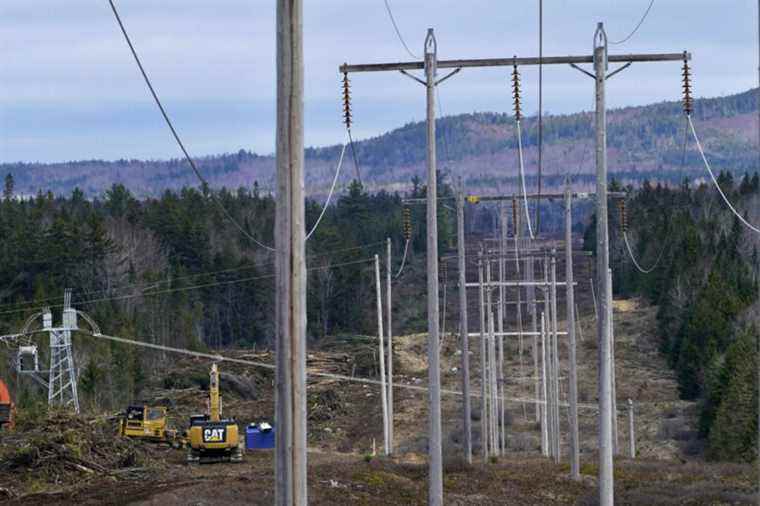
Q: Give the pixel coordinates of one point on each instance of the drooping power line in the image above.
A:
(636, 28)
(176, 135)
(715, 181)
(398, 32)
(636, 263)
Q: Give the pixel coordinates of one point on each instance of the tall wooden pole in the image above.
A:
(435, 457)
(531, 293)
(493, 401)
(389, 332)
(518, 291)
(549, 359)
(544, 391)
(540, 109)
(606, 479)
(631, 431)
(290, 267)
(484, 431)
(500, 313)
(615, 438)
(575, 472)
(496, 449)
(463, 328)
(381, 354)
(555, 359)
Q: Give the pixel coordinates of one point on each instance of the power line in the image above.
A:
(522, 182)
(142, 285)
(184, 288)
(636, 263)
(153, 284)
(339, 377)
(176, 136)
(403, 260)
(636, 29)
(329, 195)
(398, 32)
(353, 153)
(540, 110)
(715, 181)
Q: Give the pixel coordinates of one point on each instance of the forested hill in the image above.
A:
(644, 142)
(705, 285)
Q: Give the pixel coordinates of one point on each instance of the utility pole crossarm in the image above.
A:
(509, 62)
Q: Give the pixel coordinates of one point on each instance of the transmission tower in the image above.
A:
(62, 382)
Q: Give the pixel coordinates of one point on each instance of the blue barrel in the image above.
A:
(259, 437)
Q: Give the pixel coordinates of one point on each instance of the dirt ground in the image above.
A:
(345, 424)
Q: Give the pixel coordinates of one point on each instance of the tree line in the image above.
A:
(706, 290)
(174, 270)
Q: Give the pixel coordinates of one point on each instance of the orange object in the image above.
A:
(7, 409)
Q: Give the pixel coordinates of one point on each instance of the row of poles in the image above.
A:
(545, 340)
(546, 377)
(290, 270)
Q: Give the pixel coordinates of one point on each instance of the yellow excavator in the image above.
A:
(148, 422)
(213, 438)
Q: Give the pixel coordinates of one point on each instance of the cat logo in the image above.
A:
(214, 434)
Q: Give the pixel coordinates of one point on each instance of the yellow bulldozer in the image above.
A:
(211, 437)
(148, 422)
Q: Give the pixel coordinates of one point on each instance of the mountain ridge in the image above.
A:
(644, 142)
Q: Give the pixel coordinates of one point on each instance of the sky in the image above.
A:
(69, 89)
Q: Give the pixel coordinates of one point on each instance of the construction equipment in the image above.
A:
(213, 438)
(7, 408)
(148, 422)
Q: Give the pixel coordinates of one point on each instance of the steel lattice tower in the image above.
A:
(62, 383)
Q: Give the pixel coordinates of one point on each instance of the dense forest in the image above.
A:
(174, 270)
(706, 288)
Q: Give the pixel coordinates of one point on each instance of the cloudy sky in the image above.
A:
(70, 90)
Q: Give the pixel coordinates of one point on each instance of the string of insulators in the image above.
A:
(407, 224)
(688, 101)
(346, 100)
(444, 271)
(623, 216)
(516, 92)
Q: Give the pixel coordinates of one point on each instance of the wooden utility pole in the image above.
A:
(500, 313)
(491, 352)
(493, 389)
(548, 348)
(615, 439)
(555, 359)
(518, 273)
(575, 472)
(544, 391)
(606, 479)
(631, 431)
(389, 331)
(463, 328)
(483, 362)
(531, 293)
(600, 59)
(381, 354)
(435, 456)
(290, 266)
